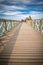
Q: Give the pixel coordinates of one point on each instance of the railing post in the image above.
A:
(11, 24)
(5, 26)
(41, 26)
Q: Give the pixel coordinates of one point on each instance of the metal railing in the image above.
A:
(7, 25)
(37, 24)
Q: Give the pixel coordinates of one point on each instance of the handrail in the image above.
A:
(7, 25)
(37, 24)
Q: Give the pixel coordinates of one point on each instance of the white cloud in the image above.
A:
(8, 7)
(1, 11)
(12, 13)
(19, 15)
(23, 16)
(25, 1)
(17, 7)
(19, 1)
(2, 0)
(40, 2)
(36, 15)
(35, 12)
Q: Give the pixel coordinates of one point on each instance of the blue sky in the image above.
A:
(20, 9)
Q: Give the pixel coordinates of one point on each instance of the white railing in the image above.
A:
(7, 25)
(37, 24)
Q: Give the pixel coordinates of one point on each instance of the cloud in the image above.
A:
(25, 1)
(20, 9)
(1, 11)
(33, 14)
(36, 14)
(11, 7)
(39, 8)
(2, 0)
(12, 13)
(18, 15)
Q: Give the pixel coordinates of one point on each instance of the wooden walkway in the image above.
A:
(23, 46)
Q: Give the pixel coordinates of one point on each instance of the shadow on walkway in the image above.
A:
(8, 47)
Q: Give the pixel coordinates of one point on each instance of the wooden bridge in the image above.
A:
(23, 45)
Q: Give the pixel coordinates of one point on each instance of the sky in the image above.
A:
(20, 9)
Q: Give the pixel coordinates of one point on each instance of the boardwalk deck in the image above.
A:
(24, 47)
